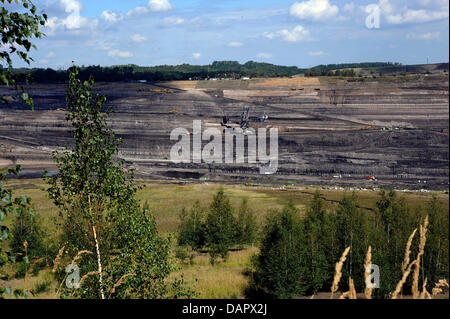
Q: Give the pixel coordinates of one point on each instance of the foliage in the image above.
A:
(99, 210)
(217, 69)
(26, 229)
(278, 270)
(41, 287)
(18, 27)
(217, 228)
(345, 69)
(436, 250)
(192, 229)
(352, 230)
(326, 72)
(220, 226)
(10, 206)
(324, 234)
(247, 228)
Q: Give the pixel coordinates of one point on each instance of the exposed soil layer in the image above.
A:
(331, 131)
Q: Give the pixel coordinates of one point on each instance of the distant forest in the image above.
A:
(218, 69)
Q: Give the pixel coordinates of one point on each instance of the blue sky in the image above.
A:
(301, 33)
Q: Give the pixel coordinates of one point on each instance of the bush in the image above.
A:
(21, 270)
(247, 228)
(181, 254)
(192, 228)
(41, 287)
(27, 236)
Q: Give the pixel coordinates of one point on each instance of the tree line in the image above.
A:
(298, 252)
(217, 228)
(217, 69)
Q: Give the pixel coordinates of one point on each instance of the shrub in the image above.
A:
(247, 228)
(41, 287)
(27, 229)
(192, 228)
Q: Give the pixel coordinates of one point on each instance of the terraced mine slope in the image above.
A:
(331, 131)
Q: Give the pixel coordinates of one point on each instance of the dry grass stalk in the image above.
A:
(399, 287)
(351, 289)
(423, 239)
(436, 291)
(438, 288)
(57, 259)
(120, 282)
(338, 273)
(351, 293)
(79, 255)
(425, 294)
(345, 295)
(30, 270)
(406, 259)
(89, 274)
(367, 263)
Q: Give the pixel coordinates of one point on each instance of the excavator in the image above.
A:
(245, 121)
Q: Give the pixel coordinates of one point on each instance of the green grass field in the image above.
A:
(165, 200)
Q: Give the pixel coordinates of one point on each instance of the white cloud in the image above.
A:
(160, 5)
(349, 7)
(404, 15)
(316, 10)
(434, 3)
(264, 55)
(50, 55)
(111, 16)
(120, 54)
(423, 36)
(270, 35)
(196, 55)
(152, 6)
(72, 6)
(138, 11)
(173, 21)
(235, 44)
(297, 34)
(73, 21)
(138, 38)
(317, 53)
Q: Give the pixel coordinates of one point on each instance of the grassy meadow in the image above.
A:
(165, 200)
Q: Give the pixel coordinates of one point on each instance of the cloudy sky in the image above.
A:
(301, 33)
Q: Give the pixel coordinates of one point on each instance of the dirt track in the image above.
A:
(321, 128)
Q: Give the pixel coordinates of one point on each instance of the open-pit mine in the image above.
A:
(365, 132)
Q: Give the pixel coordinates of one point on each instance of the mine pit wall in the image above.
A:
(320, 129)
